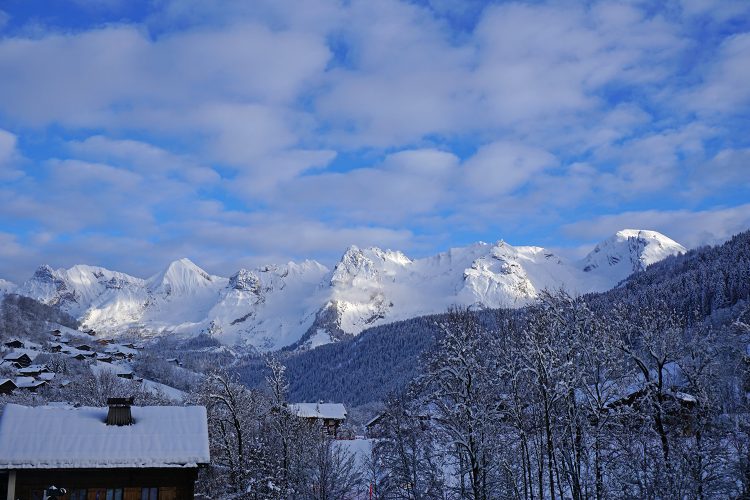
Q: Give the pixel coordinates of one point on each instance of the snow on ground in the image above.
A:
(360, 448)
(157, 388)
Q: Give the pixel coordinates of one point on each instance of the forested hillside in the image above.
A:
(25, 317)
(709, 282)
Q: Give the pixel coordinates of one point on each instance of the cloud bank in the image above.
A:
(250, 132)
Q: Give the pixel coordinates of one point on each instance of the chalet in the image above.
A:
(14, 344)
(29, 383)
(55, 347)
(174, 361)
(33, 370)
(21, 358)
(329, 415)
(77, 353)
(56, 333)
(375, 427)
(100, 356)
(121, 452)
(7, 386)
(121, 370)
(84, 347)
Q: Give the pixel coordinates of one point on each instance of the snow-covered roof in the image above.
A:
(54, 437)
(28, 382)
(319, 410)
(17, 353)
(118, 369)
(33, 369)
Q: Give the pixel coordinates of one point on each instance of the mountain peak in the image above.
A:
(181, 276)
(628, 251)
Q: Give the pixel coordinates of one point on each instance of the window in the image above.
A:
(149, 493)
(77, 494)
(114, 494)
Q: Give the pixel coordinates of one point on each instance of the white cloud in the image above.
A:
(502, 167)
(202, 107)
(690, 228)
(725, 87)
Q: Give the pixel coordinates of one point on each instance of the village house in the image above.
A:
(33, 370)
(7, 386)
(121, 452)
(21, 358)
(15, 343)
(329, 415)
(29, 383)
(376, 426)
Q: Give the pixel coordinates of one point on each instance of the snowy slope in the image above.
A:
(6, 287)
(275, 306)
(628, 251)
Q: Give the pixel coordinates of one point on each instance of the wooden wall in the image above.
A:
(173, 483)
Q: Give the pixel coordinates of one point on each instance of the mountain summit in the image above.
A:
(307, 304)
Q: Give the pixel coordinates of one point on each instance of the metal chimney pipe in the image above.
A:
(119, 411)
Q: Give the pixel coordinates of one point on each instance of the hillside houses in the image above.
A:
(18, 370)
(20, 358)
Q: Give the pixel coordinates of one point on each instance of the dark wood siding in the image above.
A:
(173, 483)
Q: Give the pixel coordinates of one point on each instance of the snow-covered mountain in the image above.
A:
(307, 304)
(6, 287)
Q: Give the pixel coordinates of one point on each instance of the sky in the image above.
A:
(236, 133)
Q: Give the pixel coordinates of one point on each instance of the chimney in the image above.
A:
(119, 411)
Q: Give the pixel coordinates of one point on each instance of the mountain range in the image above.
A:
(306, 304)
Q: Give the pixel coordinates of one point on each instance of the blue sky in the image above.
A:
(241, 133)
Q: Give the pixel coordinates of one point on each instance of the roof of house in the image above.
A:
(28, 382)
(319, 410)
(54, 437)
(17, 353)
(4, 381)
(33, 369)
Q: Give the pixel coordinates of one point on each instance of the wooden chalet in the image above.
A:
(33, 370)
(7, 386)
(56, 333)
(375, 427)
(20, 359)
(29, 383)
(14, 344)
(120, 452)
(329, 415)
